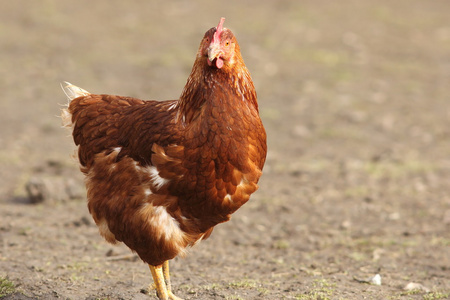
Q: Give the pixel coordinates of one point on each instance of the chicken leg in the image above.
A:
(161, 279)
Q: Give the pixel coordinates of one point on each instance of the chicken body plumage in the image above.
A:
(161, 174)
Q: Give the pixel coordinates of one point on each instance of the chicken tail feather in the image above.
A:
(72, 92)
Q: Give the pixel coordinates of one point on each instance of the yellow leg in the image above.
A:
(160, 277)
(165, 268)
(166, 274)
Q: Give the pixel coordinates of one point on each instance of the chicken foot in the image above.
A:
(161, 279)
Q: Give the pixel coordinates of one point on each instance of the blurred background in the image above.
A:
(355, 99)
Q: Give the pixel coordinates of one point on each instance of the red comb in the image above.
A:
(216, 37)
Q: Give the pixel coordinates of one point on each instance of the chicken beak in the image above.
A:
(214, 51)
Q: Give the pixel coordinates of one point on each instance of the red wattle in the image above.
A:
(219, 63)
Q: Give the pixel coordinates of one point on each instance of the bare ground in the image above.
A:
(355, 99)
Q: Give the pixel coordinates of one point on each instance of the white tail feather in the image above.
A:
(72, 92)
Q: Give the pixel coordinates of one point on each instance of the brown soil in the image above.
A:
(355, 99)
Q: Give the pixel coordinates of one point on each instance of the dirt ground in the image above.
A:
(355, 99)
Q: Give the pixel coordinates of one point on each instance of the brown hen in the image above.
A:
(161, 174)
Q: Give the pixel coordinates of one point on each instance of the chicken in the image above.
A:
(161, 174)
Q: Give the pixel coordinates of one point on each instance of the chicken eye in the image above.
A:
(227, 43)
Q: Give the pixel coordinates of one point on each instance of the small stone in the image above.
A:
(377, 253)
(52, 189)
(394, 216)
(346, 224)
(416, 286)
(376, 280)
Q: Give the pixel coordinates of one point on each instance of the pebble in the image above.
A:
(416, 286)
